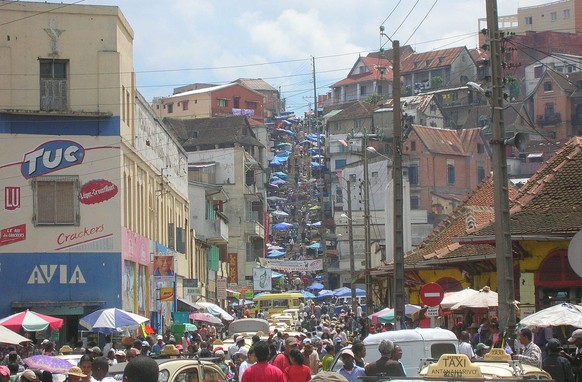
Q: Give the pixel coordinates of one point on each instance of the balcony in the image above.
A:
(214, 231)
(548, 119)
(254, 229)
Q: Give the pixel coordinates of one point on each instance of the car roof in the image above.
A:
(118, 368)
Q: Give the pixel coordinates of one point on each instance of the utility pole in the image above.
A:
(351, 243)
(367, 244)
(398, 198)
(504, 255)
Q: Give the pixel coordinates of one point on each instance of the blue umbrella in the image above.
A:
(315, 286)
(281, 226)
(315, 150)
(275, 255)
(307, 294)
(318, 278)
(276, 275)
(314, 246)
(283, 154)
(325, 293)
(277, 181)
(281, 174)
(342, 292)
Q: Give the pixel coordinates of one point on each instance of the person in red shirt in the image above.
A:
(262, 370)
(297, 372)
(282, 359)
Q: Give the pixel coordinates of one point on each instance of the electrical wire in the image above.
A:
(421, 21)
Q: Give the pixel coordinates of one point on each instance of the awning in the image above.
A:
(46, 304)
(186, 306)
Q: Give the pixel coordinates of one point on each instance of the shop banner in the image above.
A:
(293, 266)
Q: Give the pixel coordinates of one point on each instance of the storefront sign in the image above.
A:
(233, 268)
(293, 266)
(166, 294)
(11, 198)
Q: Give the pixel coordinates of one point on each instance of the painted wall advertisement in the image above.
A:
(164, 280)
(135, 250)
(233, 268)
(33, 167)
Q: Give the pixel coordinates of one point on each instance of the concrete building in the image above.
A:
(232, 155)
(214, 101)
(94, 188)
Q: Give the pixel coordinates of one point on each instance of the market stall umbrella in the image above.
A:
(197, 316)
(315, 286)
(307, 294)
(343, 291)
(48, 363)
(31, 322)
(387, 315)
(324, 293)
(190, 327)
(275, 255)
(486, 298)
(281, 174)
(276, 199)
(7, 336)
(557, 315)
(281, 226)
(111, 320)
(314, 246)
(279, 213)
(215, 310)
(452, 298)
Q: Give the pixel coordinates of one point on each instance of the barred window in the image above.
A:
(56, 200)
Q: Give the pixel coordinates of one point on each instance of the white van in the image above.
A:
(416, 344)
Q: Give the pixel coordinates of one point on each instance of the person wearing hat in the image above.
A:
(119, 356)
(385, 365)
(311, 356)
(28, 376)
(95, 352)
(65, 349)
(555, 364)
(282, 359)
(480, 350)
(531, 354)
(158, 346)
(75, 374)
(350, 370)
(145, 348)
(576, 359)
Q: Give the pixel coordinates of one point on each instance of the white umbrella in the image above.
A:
(557, 315)
(109, 320)
(214, 309)
(7, 336)
(452, 298)
(485, 298)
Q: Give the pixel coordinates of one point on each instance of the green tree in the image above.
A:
(436, 82)
(374, 99)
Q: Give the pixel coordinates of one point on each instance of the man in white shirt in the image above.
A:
(465, 345)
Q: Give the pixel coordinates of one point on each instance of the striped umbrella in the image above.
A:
(31, 322)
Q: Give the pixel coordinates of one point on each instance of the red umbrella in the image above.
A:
(198, 317)
(31, 322)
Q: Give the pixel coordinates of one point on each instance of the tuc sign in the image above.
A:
(51, 156)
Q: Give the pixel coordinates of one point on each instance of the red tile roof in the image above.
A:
(447, 141)
(430, 60)
(374, 65)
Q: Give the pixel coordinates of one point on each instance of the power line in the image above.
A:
(421, 21)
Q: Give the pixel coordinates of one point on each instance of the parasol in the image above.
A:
(557, 315)
(31, 322)
(111, 320)
(485, 298)
(48, 363)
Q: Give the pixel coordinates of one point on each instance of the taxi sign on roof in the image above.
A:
(497, 354)
(454, 366)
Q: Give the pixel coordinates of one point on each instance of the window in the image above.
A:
(251, 105)
(339, 196)
(56, 200)
(362, 90)
(413, 174)
(185, 105)
(379, 89)
(480, 174)
(528, 20)
(236, 102)
(53, 85)
(549, 109)
(451, 173)
(538, 71)
(170, 108)
(428, 62)
(413, 146)
(547, 86)
(222, 102)
(480, 148)
(566, 14)
(441, 60)
(340, 163)
(553, 16)
(414, 203)
(363, 69)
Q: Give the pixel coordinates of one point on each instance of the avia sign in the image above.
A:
(51, 156)
(56, 273)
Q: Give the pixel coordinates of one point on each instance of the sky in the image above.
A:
(179, 42)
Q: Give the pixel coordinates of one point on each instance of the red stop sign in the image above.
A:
(431, 294)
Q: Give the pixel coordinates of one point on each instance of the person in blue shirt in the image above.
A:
(349, 370)
(158, 346)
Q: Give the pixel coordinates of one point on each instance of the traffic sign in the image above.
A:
(431, 294)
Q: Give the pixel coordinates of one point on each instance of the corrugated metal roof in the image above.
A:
(373, 65)
(430, 60)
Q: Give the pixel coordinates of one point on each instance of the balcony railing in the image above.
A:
(548, 119)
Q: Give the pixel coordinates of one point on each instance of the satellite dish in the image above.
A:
(575, 253)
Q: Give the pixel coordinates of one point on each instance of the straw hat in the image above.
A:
(170, 350)
(66, 349)
(76, 371)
